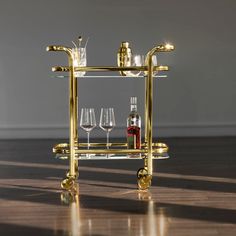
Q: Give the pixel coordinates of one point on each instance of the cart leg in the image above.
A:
(145, 174)
(76, 171)
(69, 183)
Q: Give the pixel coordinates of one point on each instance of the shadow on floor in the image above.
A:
(169, 210)
(125, 206)
(11, 229)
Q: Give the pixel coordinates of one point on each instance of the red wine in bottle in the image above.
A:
(133, 126)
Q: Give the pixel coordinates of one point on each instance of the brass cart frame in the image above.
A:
(74, 149)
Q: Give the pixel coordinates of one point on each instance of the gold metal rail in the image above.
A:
(63, 148)
(108, 68)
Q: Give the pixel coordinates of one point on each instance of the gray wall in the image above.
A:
(198, 98)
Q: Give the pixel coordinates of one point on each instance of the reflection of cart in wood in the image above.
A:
(74, 150)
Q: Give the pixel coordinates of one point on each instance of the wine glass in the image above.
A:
(87, 121)
(79, 59)
(134, 60)
(107, 121)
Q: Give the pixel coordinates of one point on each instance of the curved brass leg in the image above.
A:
(144, 179)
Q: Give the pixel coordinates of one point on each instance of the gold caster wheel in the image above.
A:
(68, 183)
(144, 183)
(141, 172)
(144, 179)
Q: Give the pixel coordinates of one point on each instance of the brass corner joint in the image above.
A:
(58, 48)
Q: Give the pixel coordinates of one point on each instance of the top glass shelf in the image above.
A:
(100, 69)
(108, 76)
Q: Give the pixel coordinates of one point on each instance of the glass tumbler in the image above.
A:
(79, 59)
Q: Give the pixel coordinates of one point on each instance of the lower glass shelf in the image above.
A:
(116, 151)
(110, 157)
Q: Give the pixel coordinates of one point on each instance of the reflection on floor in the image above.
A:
(192, 193)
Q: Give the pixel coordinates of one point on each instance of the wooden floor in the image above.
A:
(192, 193)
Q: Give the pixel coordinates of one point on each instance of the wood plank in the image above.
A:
(193, 193)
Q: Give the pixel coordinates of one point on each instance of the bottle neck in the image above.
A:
(133, 107)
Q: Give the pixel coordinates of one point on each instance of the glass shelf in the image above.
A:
(107, 76)
(110, 157)
(116, 151)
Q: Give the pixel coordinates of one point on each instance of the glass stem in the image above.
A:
(107, 140)
(88, 140)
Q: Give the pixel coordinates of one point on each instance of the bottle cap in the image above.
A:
(125, 44)
(133, 100)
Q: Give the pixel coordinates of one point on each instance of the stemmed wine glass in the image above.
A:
(107, 121)
(87, 121)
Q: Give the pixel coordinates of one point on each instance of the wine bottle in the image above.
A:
(133, 126)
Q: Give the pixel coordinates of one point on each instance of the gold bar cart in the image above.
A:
(75, 151)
